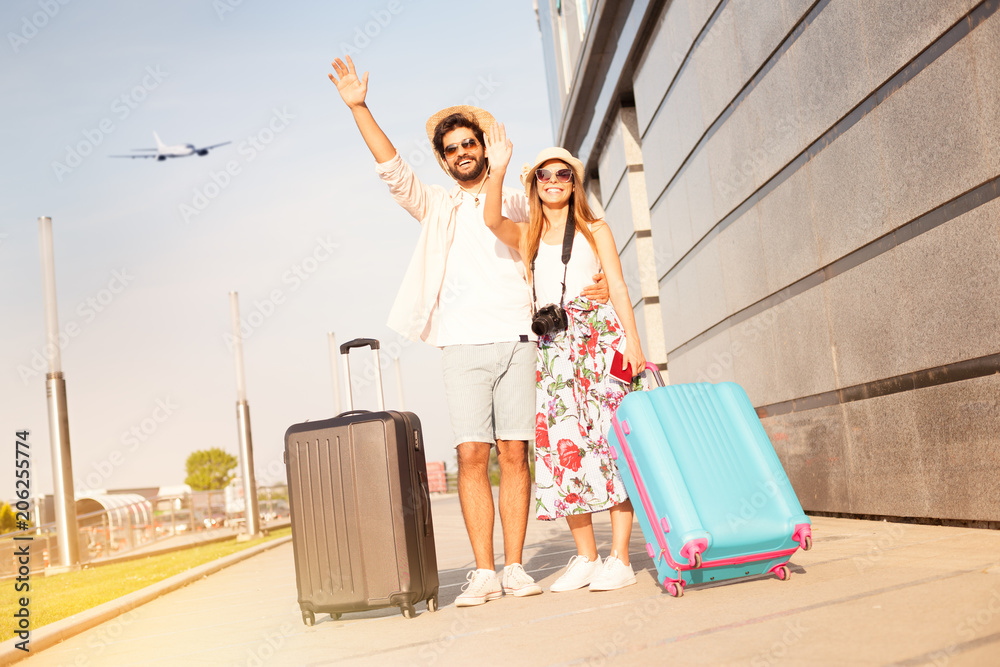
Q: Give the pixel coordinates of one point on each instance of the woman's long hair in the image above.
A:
(580, 215)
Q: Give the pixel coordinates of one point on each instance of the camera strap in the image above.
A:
(567, 251)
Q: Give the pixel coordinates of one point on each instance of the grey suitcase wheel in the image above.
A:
(432, 604)
(335, 617)
(408, 611)
(309, 618)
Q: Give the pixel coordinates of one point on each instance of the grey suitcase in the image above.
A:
(362, 532)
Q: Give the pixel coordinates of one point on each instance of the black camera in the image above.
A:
(549, 320)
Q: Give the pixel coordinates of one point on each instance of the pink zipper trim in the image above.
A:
(647, 504)
(753, 558)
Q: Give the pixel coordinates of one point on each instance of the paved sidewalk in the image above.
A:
(869, 593)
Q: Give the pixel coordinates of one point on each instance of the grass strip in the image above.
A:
(57, 597)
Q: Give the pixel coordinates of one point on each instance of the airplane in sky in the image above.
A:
(162, 151)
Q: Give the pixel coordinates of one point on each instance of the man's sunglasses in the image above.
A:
(562, 175)
(467, 144)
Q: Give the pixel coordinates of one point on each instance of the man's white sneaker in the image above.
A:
(615, 574)
(483, 586)
(517, 582)
(578, 574)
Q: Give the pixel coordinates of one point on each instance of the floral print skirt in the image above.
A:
(576, 399)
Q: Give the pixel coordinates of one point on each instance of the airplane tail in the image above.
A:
(159, 144)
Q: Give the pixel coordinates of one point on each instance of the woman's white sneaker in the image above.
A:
(483, 586)
(615, 574)
(578, 574)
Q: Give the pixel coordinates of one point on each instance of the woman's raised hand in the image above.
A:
(352, 89)
(498, 148)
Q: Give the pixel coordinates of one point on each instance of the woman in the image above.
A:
(577, 396)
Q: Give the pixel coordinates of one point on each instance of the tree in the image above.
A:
(8, 522)
(209, 469)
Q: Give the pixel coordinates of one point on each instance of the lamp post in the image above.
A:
(243, 423)
(55, 392)
(336, 376)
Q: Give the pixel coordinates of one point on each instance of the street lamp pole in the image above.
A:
(334, 353)
(243, 424)
(55, 392)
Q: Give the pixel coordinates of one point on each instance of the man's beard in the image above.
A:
(477, 170)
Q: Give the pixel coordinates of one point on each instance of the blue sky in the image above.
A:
(291, 214)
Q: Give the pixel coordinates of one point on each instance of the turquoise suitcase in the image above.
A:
(708, 489)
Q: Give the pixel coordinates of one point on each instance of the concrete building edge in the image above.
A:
(52, 634)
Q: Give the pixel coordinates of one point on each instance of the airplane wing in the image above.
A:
(134, 156)
(205, 148)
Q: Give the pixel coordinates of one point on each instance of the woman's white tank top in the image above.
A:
(583, 264)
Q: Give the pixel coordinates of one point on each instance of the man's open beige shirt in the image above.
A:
(414, 312)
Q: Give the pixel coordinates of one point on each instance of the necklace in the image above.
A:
(478, 192)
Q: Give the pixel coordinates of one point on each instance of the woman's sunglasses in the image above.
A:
(562, 175)
(467, 144)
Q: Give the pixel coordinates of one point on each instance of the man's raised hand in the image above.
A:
(352, 89)
(498, 148)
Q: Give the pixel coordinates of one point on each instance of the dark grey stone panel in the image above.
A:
(730, 155)
(711, 290)
(691, 318)
(698, 178)
(950, 277)
(611, 163)
(812, 446)
(868, 322)
(688, 107)
(786, 226)
(754, 358)
(667, 48)
(783, 117)
(804, 358)
(985, 44)
(670, 309)
(886, 472)
(793, 11)
(662, 153)
(760, 28)
(959, 426)
(849, 192)
(709, 362)
(927, 453)
(741, 253)
(717, 58)
(663, 251)
(933, 151)
(895, 32)
(699, 12)
(830, 65)
(672, 213)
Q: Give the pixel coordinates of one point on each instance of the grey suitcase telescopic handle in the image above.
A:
(345, 350)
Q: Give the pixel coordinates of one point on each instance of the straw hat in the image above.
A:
(554, 153)
(480, 117)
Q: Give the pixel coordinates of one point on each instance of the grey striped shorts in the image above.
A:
(490, 390)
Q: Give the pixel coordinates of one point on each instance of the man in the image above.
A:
(465, 292)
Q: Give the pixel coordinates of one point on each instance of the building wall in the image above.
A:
(821, 183)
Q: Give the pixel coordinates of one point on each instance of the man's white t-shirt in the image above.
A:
(484, 298)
